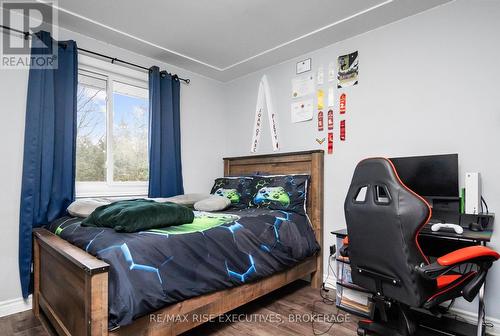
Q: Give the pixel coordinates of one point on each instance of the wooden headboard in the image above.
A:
(306, 162)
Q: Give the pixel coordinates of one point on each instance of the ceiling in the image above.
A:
(226, 39)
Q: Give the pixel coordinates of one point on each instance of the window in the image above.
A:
(112, 131)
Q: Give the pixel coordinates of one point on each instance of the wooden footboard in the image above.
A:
(71, 292)
(70, 286)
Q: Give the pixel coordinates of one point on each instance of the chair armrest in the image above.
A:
(479, 255)
(468, 254)
(431, 271)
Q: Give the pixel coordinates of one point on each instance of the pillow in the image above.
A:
(213, 203)
(280, 192)
(85, 206)
(187, 200)
(236, 189)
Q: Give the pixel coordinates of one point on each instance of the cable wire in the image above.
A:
(485, 204)
(325, 299)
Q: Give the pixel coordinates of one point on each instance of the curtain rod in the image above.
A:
(112, 59)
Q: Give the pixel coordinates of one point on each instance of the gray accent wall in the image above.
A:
(428, 84)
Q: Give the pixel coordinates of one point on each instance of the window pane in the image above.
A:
(130, 133)
(91, 129)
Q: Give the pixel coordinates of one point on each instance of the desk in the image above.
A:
(436, 244)
(473, 237)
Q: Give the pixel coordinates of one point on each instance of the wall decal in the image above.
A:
(342, 103)
(331, 95)
(320, 141)
(320, 78)
(331, 72)
(320, 95)
(342, 130)
(320, 121)
(330, 143)
(330, 120)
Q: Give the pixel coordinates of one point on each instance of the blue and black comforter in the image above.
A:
(151, 269)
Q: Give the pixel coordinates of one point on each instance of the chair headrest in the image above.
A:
(380, 175)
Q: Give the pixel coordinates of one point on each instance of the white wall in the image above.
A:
(428, 84)
(13, 89)
(202, 115)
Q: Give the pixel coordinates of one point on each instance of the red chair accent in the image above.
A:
(445, 280)
(467, 254)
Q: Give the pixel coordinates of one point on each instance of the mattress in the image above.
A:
(152, 269)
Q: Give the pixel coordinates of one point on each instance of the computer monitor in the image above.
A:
(433, 176)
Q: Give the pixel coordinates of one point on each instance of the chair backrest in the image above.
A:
(383, 220)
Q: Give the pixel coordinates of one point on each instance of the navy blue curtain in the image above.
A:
(49, 146)
(165, 169)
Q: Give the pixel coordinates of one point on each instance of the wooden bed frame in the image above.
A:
(71, 286)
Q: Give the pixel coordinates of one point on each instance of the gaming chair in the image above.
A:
(384, 218)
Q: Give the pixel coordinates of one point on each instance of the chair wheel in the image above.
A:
(361, 332)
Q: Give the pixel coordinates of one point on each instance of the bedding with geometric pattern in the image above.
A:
(154, 268)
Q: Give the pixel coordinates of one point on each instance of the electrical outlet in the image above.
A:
(332, 250)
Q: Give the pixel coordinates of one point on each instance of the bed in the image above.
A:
(71, 285)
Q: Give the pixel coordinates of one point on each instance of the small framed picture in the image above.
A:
(303, 66)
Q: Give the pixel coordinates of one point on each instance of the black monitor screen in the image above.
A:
(429, 176)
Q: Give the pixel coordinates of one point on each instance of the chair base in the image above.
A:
(426, 325)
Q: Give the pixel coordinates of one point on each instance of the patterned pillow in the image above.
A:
(280, 192)
(236, 189)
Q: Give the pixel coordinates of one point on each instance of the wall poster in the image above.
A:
(347, 70)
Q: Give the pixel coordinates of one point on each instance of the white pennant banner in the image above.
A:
(264, 98)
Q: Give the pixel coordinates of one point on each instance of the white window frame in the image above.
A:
(112, 73)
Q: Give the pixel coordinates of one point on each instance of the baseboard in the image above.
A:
(14, 306)
(471, 317)
(330, 281)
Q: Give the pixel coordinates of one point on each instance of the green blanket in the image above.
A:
(139, 215)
